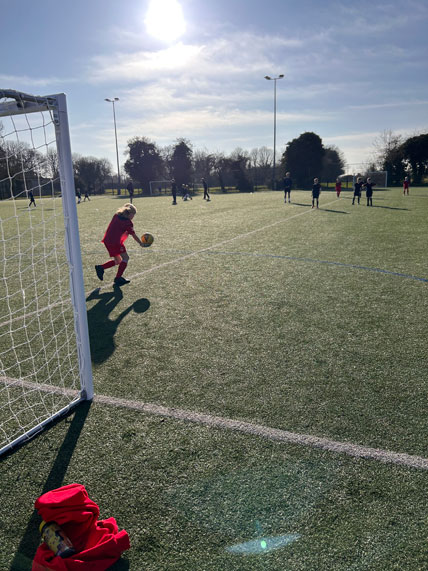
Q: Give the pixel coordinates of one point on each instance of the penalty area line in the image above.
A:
(354, 450)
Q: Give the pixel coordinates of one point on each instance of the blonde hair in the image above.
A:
(127, 210)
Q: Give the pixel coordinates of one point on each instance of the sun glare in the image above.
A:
(164, 20)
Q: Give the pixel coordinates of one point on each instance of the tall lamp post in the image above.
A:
(115, 136)
(274, 79)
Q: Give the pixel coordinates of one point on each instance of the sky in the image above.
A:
(195, 69)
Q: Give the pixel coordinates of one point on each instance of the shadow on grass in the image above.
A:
(388, 207)
(102, 329)
(31, 536)
(335, 211)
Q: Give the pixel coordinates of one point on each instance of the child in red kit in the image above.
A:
(338, 187)
(406, 185)
(117, 232)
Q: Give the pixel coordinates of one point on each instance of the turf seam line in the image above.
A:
(315, 261)
(244, 235)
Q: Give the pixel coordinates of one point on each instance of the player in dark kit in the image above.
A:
(31, 197)
(369, 191)
(206, 193)
(288, 183)
(357, 190)
(174, 191)
(130, 189)
(316, 191)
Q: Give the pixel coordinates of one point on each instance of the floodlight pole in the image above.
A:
(115, 136)
(274, 79)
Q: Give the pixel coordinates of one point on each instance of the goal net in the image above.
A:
(45, 366)
(380, 178)
(160, 186)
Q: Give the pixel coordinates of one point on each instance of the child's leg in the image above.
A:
(110, 264)
(122, 264)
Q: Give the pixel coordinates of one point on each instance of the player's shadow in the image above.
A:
(102, 329)
(388, 207)
(335, 211)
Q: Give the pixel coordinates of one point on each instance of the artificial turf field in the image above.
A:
(245, 308)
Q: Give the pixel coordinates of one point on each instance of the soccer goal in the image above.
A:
(160, 186)
(45, 365)
(380, 178)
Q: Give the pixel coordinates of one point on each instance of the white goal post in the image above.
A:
(45, 363)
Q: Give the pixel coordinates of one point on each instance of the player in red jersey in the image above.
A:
(406, 185)
(338, 187)
(117, 232)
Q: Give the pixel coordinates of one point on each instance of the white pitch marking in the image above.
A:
(355, 450)
(348, 448)
(244, 235)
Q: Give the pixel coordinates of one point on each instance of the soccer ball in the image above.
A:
(147, 239)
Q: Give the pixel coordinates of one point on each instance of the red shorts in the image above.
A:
(115, 249)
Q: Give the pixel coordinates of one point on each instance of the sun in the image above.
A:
(164, 20)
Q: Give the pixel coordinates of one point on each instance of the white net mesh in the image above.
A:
(39, 370)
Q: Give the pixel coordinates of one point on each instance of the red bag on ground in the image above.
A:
(98, 543)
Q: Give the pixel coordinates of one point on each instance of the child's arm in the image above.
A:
(137, 239)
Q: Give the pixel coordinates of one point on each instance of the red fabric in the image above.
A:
(98, 542)
(118, 231)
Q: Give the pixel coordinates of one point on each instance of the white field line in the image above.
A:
(261, 431)
(159, 266)
(354, 450)
(218, 244)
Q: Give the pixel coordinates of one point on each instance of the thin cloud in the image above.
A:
(388, 105)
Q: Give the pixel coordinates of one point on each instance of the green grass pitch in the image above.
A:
(246, 308)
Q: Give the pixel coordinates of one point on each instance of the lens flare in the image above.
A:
(263, 545)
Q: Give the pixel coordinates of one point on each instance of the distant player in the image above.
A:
(288, 183)
(206, 193)
(174, 191)
(316, 191)
(185, 192)
(369, 191)
(130, 188)
(357, 190)
(117, 232)
(406, 185)
(86, 197)
(338, 187)
(31, 197)
(79, 196)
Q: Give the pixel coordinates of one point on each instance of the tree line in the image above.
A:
(243, 170)
(305, 157)
(402, 157)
